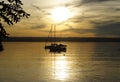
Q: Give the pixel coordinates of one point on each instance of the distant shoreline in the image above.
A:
(66, 39)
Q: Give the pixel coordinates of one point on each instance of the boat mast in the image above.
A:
(54, 27)
(51, 34)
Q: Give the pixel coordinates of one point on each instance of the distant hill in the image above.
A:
(69, 39)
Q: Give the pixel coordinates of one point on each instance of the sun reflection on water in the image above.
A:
(61, 68)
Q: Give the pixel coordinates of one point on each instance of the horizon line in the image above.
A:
(64, 39)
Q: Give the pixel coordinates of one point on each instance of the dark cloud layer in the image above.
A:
(110, 29)
(93, 1)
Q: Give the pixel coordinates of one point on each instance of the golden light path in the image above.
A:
(60, 14)
(60, 68)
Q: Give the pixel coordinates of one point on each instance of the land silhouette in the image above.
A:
(68, 39)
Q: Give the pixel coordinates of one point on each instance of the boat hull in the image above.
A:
(56, 48)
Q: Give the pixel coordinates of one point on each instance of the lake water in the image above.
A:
(83, 62)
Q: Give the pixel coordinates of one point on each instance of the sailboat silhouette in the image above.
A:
(54, 46)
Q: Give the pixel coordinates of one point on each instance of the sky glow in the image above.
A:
(92, 18)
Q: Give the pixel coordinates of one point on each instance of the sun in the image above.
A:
(60, 14)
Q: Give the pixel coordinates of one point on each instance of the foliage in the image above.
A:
(11, 12)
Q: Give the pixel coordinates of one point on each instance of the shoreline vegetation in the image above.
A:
(64, 39)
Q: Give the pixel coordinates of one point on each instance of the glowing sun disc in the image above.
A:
(60, 14)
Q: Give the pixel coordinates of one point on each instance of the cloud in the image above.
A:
(79, 3)
(38, 26)
(93, 1)
(36, 7)
(97, 11)
(114, 9)
(109, 29)
(41, 10)
(77, 30)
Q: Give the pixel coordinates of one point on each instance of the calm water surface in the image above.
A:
(83, 62)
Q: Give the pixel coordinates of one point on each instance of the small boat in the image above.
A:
(55, 47)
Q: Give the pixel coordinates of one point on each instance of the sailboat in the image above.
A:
(54, 46)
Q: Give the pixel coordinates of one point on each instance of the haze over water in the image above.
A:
(83, 62)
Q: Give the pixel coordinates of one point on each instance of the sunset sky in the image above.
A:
(78, 18)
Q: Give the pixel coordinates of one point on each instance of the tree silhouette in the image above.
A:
(11, 12)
